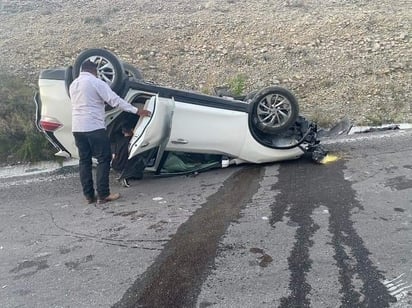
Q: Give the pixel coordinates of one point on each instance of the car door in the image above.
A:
(204, 129)
(154, 131)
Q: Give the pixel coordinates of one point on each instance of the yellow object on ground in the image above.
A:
(329, 158)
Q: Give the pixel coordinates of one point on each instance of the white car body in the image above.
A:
(223, 132)
(182, 122)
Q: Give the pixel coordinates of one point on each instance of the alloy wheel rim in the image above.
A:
(105, 69)
(274, 110)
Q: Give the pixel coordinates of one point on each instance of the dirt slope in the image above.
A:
(339, 57)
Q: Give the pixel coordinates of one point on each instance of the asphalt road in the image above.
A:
(293, 234)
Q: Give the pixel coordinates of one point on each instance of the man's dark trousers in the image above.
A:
(94, 144)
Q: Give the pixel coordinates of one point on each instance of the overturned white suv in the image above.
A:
(196, 130)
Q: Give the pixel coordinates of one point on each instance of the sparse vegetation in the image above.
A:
(237, 85)
(19, 139)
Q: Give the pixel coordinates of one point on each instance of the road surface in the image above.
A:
(293, 234)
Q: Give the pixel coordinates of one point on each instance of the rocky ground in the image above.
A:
(339, 57)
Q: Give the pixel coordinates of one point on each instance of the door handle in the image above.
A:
(180, 141)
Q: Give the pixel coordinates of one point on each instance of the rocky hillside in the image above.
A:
(339, 57)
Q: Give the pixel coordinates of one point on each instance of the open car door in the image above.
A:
(153, 132)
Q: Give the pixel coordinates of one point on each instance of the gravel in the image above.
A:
(342, 57)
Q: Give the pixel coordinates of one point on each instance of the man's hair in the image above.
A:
(89, 66)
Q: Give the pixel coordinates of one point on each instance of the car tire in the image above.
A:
(68, 78)
(109, 67)
(132, 72)
(274, 110)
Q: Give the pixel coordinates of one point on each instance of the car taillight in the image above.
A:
(49, 124)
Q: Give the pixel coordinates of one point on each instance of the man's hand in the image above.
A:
(143, 113)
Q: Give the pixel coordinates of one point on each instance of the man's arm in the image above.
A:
(110, 97)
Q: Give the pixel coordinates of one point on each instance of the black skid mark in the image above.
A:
(176, 276)
(299, 260)
(374, 292)
(295, 205)
(305, 186)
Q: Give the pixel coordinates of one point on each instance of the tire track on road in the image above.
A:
(176, 276)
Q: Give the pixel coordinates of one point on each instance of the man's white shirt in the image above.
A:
(88, 95)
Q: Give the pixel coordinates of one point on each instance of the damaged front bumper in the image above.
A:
(305, 134)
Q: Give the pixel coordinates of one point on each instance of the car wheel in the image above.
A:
(109, 67)
(274, 110)
(132, 72)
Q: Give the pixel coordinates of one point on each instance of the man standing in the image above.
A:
(88, 96)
